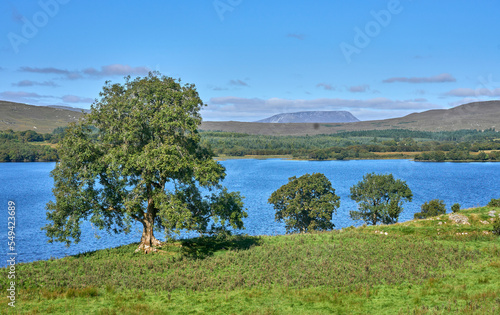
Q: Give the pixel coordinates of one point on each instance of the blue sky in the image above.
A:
(253, 59)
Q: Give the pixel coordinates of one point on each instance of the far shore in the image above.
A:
(379, 156)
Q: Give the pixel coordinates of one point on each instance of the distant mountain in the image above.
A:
(75, 109)
(312, 117)
(477, 115)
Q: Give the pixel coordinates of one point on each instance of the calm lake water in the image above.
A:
(29, 186)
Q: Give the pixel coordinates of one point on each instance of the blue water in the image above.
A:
(29, 186)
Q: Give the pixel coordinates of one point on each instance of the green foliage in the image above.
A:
(455, 208)
(380, 198)
(306, 203)
(494, 203)
(437, 146)
(431, 208)
(496, 226)
(116, 162)
(16, 146)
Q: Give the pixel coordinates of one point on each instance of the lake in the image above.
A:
(29, 186)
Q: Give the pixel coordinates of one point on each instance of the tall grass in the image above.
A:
(425, 266)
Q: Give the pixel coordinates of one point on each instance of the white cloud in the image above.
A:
(22, 96)
(359, 88)
(466, 92)
(105, 71)
(251, 109)
(326, 86)
(296, 36)
(76, 99)
(115, 70)
(238, 83)
(443, 77)
(24, 83)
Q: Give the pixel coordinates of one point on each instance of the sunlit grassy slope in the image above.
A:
(433, 266)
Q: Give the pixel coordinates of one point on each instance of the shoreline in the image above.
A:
(381, 157)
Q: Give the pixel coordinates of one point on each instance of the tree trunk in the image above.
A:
(148, 241)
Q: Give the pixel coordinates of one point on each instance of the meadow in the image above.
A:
(432, 266)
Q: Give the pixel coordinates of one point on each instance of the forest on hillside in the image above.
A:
(461, 145)
(458, 145)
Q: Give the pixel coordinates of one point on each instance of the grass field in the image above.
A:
(433, 266)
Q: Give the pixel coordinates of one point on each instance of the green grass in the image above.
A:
(420, 267)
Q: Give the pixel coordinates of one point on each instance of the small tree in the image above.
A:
(494, 203)
(455, 208)
(380, 198)
(432, 208)
(496, 226)
(306, 203)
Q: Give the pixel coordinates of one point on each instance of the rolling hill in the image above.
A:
(312, 117)
(477, 115)
(43, 119)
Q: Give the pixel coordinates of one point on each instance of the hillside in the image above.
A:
(42, 119)
(312, 117)
(478, 115)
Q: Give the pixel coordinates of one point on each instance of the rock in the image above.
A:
(459, 218)
(492, 213)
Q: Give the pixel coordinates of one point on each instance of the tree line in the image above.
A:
(456, 145)
(25, 146)
(460, 145)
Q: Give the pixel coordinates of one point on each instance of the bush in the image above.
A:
(494, 203)
(432, 208)
(496, 226)
(455, 208)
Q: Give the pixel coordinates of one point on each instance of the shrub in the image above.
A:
(496, 226)
(494, 203)
(455, 208)
(432, 208)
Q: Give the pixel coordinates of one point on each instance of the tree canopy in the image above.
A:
(137, 157)
(380, 198)
(431, 208)
(306, 203)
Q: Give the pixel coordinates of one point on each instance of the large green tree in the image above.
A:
(306, 203)
(380, 198)
(137, 157)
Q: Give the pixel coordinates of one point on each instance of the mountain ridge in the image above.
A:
(311, 117)
(475, 115)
